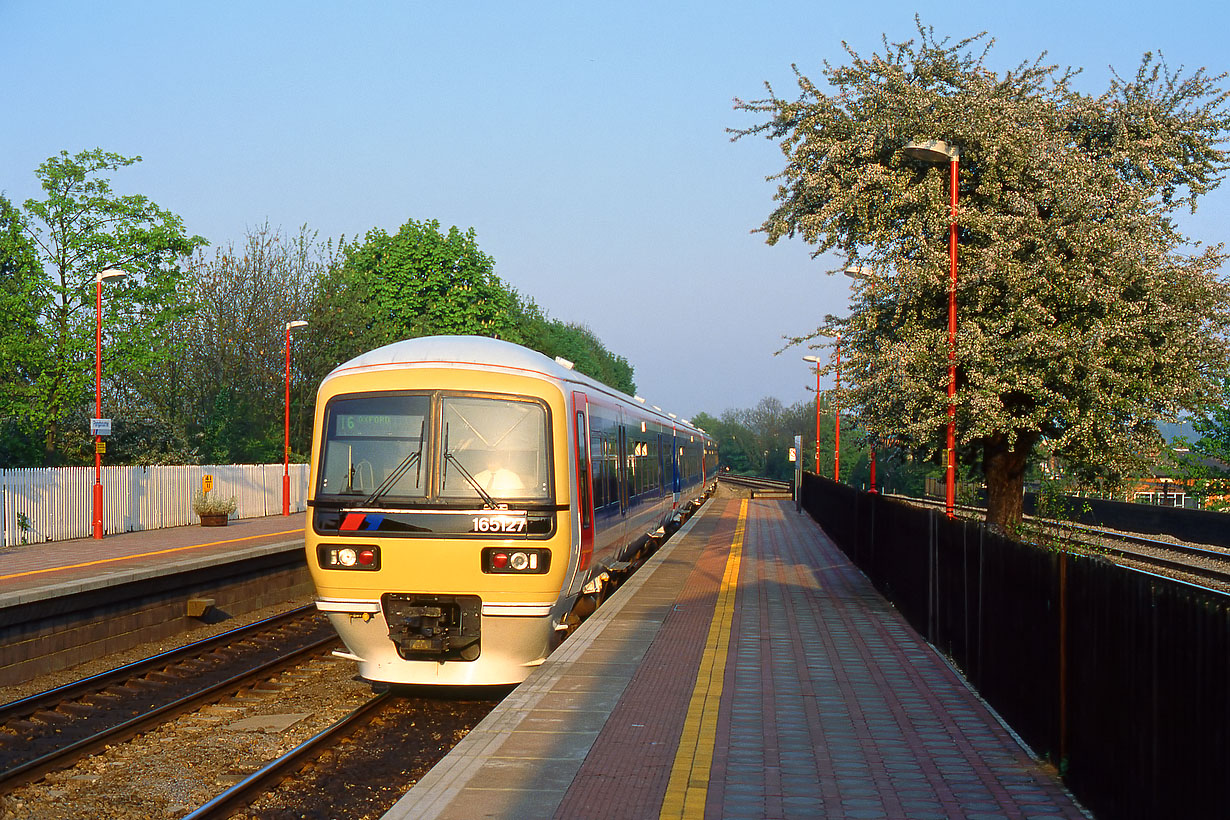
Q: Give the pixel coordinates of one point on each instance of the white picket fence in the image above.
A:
(54, 504)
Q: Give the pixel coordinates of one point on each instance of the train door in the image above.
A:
(623, 467)
(585, 497)
(676, 487)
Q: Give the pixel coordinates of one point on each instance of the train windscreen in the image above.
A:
(375, 446)
(494, 449)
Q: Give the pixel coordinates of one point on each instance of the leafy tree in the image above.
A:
(82, 227)
(422, 281)
(1084, 313)
(225, 395)
(757, 440)
(22, 346)
(574, 342)
(417, 282)
(1213, 425)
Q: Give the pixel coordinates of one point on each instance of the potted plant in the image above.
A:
(213, 510)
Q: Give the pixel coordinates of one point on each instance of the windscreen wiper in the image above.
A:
(394, 477)
(488, 501)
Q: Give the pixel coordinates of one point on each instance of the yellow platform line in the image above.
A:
(146, 554)
(689, 783)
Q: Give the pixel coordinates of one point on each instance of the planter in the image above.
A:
(214, 519)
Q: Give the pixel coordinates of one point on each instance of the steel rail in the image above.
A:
(1189, 550)
(67, 755)
(95, 683)
(264, 779)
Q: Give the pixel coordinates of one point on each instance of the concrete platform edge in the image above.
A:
(112, 578)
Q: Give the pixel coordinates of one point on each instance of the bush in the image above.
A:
(208, 504)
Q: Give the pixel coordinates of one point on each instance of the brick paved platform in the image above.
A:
(747, 671)
(56, 568)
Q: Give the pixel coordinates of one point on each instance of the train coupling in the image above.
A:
(434, 627)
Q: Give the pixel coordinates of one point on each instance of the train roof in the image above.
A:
(484, 352)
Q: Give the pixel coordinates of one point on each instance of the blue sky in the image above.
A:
(585, 144)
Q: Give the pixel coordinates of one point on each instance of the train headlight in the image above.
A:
(348, 556)
(519, 562)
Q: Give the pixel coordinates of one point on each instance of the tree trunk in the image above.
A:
(1004, 468)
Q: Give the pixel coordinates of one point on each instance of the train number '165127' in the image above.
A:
(498, 524)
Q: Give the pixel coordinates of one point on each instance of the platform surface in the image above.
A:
(747, 671)
(33, 572)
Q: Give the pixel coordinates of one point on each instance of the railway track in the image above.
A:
(1207, 563)
(758, 487)
(53, 729)
(246, 791)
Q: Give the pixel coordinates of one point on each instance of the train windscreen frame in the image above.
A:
(376, 445)
(457, 449)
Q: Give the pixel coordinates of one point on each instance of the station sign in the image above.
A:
(100, 427)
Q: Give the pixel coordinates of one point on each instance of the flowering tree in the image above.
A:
(1084, 313)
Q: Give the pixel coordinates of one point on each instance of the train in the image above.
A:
(470, 500)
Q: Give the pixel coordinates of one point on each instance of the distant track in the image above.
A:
(1208, 563)
(758, 487)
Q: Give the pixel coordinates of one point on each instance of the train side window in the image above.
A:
(583, 469)
(598, 456)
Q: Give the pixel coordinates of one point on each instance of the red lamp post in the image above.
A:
(940, 151)
(286, 446)
(864, 272)
(109, 273)
(837, 417)
(816, 361)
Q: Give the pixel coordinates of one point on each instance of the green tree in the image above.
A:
(419, 281)
(423, 282)
(222, 398)
(574, 342)
(1084, 314)
(1213, 425)
(82, 227)
(22, 346)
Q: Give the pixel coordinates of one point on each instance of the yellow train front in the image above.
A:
(452, 525)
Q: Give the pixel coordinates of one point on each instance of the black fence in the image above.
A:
(1118, 677)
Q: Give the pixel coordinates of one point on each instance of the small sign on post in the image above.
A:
(100, 447)
(100, 427)
(207, 483)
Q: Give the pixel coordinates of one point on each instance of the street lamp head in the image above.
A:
(110, 273)
(859, 272)
(813, 359)
(931, 151)
(295, 324)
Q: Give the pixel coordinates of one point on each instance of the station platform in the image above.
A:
(748, 670)
(64, 603)
(33, 572)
